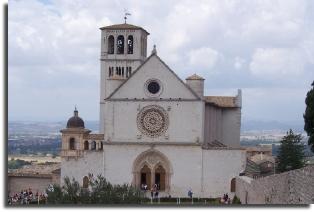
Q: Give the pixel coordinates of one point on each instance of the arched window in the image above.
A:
(111, 44)
(85, 182)
(120, 44)
(93, 147)
(111, 70)
(233, 185)
(130, 44)
(160, 178)
(145, 177)
(86, 145)
(72, 144)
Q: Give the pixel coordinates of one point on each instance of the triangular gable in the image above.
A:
(154, 68)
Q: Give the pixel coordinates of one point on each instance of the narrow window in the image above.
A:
(101, 145)
(111, 44)
(130, 44)
(127, 72)
(72, 144)
(85, 182)
(120, 44)
(122, 71)
(117, 70)
(86, 145)
(233, 185)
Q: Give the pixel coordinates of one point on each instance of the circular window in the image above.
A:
(153, 88)
(152, 120)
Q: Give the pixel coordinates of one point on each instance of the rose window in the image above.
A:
(152, 120)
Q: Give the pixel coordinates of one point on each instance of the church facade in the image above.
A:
(155, 129)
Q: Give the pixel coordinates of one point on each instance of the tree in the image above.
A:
(291, 154)
(100, 191)
(309, 117)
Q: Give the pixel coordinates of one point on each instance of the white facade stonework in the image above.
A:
(155, 128)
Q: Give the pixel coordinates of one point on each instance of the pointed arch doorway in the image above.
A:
(152, 168)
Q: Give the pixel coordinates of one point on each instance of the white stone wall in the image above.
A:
(185, 121)
(293, 187)
(213, 124)
(172, 87)
(91, 162)
(197, 86)
(220, 166)
(231, 124)
(206, 172)
(223, 125)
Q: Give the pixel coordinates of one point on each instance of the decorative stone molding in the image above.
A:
(152, 121)
(94, 136)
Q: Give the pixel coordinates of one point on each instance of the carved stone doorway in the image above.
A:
(152, 167)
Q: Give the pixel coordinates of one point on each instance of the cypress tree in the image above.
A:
(291, 155)
(309, 117)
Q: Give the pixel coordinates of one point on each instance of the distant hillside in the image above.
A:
(254, 125)
(33, 127)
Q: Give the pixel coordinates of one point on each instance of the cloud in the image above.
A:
(203, 58)
(239, 63)
(277, 62)
(231, 43)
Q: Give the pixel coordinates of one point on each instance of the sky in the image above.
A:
(265, 48)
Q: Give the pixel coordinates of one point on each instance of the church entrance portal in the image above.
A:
(152, 168)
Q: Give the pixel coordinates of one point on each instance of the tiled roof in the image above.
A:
(251, 167)
(123, 26)
(221, 101)
(195, 77)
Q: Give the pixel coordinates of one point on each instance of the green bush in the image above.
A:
(236, 200)
(16, 164)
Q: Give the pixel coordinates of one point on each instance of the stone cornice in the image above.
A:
(153, 100)
(152, 143)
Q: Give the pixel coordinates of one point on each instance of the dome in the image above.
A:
(75, 121)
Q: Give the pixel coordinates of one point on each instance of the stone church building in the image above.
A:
(154, 127)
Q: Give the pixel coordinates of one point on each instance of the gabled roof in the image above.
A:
(221, 101)
(123, 26)
(171, 71)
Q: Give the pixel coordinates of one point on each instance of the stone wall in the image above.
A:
(207, 172)
(293, 187)
(36, 183)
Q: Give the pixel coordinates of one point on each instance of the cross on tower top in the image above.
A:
(126, 13)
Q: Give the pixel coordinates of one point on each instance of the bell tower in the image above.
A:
(123, 50)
